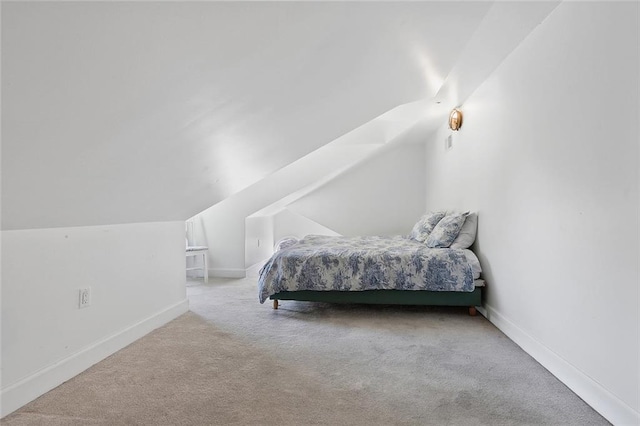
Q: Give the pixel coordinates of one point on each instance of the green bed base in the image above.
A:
(386, 297)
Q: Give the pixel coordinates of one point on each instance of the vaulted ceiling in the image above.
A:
(116, 112)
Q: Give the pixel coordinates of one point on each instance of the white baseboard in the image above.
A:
(603, 401)
(483, 312)
(254, 270)
(42, 381)
(227, 273)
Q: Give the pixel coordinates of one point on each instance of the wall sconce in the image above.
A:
(455, 119)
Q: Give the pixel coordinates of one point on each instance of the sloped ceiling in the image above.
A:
(136, 112)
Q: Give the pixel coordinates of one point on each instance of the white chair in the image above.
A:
(199, 251)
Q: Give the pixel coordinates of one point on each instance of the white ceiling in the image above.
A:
(136, 112)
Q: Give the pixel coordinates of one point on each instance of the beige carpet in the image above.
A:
(232, 361)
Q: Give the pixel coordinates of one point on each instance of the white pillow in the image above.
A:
(446, 230)
(467, 234)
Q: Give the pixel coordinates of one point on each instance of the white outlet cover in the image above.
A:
(84, 297)
(448, 143)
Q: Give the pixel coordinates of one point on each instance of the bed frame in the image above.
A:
(387, 297)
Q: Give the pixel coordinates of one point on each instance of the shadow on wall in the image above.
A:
(487, 273)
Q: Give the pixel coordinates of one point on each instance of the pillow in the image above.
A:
(467, 234)
(446, 231)
(425, 225)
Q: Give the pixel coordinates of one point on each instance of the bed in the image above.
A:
(407, 270)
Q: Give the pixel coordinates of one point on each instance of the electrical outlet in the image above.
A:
(448, 143)
(84, 297)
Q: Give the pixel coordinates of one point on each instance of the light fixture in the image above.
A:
(455, 119)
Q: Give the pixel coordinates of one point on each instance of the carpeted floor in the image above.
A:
(232, 361)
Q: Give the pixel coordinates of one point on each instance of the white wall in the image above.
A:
(548, 155)
(222, 229)
(259, 239)
(137, 280)
(382, 195)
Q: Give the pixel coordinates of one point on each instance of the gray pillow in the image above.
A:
(446, 231)
(425, 225)
(467, 234)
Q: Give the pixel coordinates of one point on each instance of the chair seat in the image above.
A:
(197, 248)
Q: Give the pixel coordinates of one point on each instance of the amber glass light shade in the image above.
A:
(455, 119)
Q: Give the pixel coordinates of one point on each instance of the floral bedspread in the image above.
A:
(364, 263)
